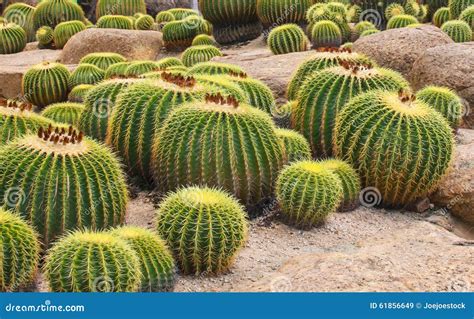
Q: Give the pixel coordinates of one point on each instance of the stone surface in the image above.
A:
(132, 44)
(450, 65)
(456, 192)
(399, 48)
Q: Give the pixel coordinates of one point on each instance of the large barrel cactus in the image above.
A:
(64, 182)
(295, 146)
(12, 38)
(400, 146)
(65, 30)
(326, 34)
(120, 7)
(216, 68)
(53, 12)
(401, 21)
(22, 14)
(276, 12)
(219, 143)
(458, 30)
(66, 113)
(199, 53)
(204, 228)
(441, 16)
(115, 22)
(445, 101)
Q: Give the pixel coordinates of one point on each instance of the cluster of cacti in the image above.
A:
(119, 7)
(190, 150)
(44, 36)
(179, 34)
(199, 53)
(19, 250)
(53, 12)
(216, 68)
(18, 119)
(287, 38)
(374, 10)
(468, 16)
(86, 261)
(325, 94)
(326, 34)
(136, 68)
(103, 60)
(458, 6)
(204, 227)
(307, 193)
(258, 93)
(394, 9)
(98, 106)
(117, 70)
(79, 92)
(12, 38)
(22, 14)
(203, 39)
(277, 12)
(319, 61)
(144, 22)
(295, 146)
(458, 30)
(164, 17)
(69, 182)
(360, 28)
(445, 101)
(115, 22)
(401, 171)
(64, 113)
(441, 16)
(86, 73)
(156, 262)
(46, 83)
(401, 21)
(233, 20)
(65, 30)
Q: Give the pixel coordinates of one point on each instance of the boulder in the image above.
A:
(456, 192)
(450, 65)
(399, 48)
(132, 44)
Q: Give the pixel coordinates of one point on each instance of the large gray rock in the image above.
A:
(399, 48)
(132, 44)
(450, 65)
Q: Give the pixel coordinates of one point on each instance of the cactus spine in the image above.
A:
(65, 30)
(204, 227)
(326, 34)
(103, 60)
(67, 113)
(458, 30)
(445, 101)
(115, 22)
(119, 7)
(295, 146)
(52, 12)
(22, 15)
(287, 38)
(199, 53)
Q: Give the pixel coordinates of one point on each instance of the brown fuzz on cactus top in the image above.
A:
(219, 99)
(178, 79)
(16, 104)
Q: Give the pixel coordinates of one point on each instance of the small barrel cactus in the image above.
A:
(282, 11)
(179, 34)
(19, 251)
(350, 182)
(165, 63)
(115, 22)
(79, 92)
(394, 9)
(374, 31)
(441, 16)
(182, 13)
(199, 53)
(324, 95)
(412, 7)
(145, 22)
(445, 101)
(119, 7)
(258, 93)
(164, 17)
(66, 113)
(203, 39)
(217, 68)
(65, 30)
(18, 119)
(287, 38)
(12, 38)
(326, 34)
(103, 60)
(136, 68)
(86, 261)
(401, 21)
(307, 193)
(295, 146)
(406, 171)
(22, 15)
(247, 172)
(458, 6)
(117, 70)
(44, 36)
(70, 182)
(98, 106)
(52, 12)
(458, 30)
(156, 261)
(86, 73)
(360, 27)
(46, 83)
(204, 227)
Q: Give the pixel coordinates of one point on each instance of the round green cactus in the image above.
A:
(337, 7)
(145, 22)
(282, 11)
(115, 22)
(98, 106)
(458, 30)
(52, 12)
(441, 16)
(119, 7)
(164, 17)
(182, 13)
(307, 193)
(468, 16)
(458, 6)
(137, 68)
(406, 171)
(166, 63)
(412, 7)
(326, 34)
(19, 251)
(86, 74)
(117, 70)
(203, 39)
(350, 182)
(66, 113)
(374, 31)
(295, 146)
(156, 261)
(217, 68)
(78, 93)
(325, 94)
(67, 182)
(65, 30)
(103, 60)
(204, 227)
(258, 93)
(319, 61)
(44, 36)
(46, 83)
(360, 27)
(423, 15)
(394, 9)
(199, 53)
(86, 261)
(318, 12)
(139, 113)
(12, 38)
(445, 101)
(179, 34)
(401, 21)
(22, 15)
(247, 172)
(287, 38)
